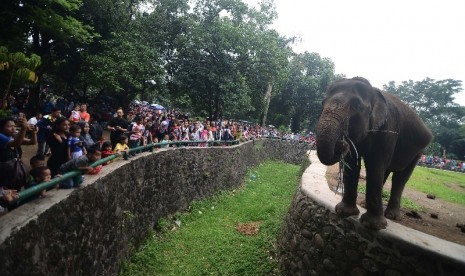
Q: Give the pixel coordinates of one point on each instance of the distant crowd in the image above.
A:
(73, 139)
(442, 163)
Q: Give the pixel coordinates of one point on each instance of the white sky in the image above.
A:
(381, 40)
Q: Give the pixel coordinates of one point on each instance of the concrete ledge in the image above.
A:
(316, 241)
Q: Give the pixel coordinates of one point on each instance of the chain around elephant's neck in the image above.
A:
(343, 165)
(385, 131)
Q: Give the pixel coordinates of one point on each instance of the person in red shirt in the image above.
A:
(84, 115)
(107, 151)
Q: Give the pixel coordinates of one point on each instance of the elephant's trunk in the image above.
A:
(329, 144)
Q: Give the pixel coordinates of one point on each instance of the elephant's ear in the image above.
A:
(378, 115)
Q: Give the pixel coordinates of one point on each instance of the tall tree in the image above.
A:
(124, 68)
(433, 102)
(299, 102)
(42, 24)
(266, 69)
(457, 146)
(15, 69)
(168, 26)
(124, 61)
(48, 28)
(208, 70)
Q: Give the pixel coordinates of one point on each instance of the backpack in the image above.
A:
(15, 166)
(227, 134)
(131, 125)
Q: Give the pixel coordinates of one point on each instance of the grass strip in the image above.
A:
(446, 185)
(232, 233)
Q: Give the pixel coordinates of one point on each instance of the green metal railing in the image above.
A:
(77, 173)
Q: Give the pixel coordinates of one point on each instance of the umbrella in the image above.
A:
(156, 107)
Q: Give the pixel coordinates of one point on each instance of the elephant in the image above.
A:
(360, 121)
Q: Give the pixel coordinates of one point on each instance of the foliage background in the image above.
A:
(213, 58)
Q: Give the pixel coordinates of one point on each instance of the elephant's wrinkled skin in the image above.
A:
(386, 133)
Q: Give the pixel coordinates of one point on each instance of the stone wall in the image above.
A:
(92, 229)
(316, 241)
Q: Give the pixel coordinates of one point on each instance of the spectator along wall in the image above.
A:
(92, 229)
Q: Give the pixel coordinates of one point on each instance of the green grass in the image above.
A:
(431, 181)
(207, 242)
(405, 202)
(439, 183)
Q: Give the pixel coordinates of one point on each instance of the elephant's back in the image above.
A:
(412, 130)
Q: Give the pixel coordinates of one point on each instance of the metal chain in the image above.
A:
(340, 183)
(385, 131)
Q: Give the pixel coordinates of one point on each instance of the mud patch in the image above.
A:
(248, 229)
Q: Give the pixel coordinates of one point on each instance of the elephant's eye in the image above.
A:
(356, 105)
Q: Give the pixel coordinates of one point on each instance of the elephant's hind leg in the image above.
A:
(399, 179)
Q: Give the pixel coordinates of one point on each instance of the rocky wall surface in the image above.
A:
(316, 241)
(90, 230)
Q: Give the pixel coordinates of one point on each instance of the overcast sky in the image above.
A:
(381, 40)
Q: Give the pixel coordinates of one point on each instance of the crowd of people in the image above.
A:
(442, 163)
(69, 138)
(74, 139)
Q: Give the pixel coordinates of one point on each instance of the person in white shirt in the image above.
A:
(33, 121)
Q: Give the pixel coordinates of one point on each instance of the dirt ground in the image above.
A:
(448, 214)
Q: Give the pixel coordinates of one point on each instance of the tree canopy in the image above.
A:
(15, 70)
(433, 100)
(214, 58)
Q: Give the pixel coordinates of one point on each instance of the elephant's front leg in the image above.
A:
(348, 205)
(374, 217)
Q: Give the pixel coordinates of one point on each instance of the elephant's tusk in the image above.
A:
(356, 152)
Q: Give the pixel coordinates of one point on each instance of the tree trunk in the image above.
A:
(266, 101)
(210, 102)
(217, 104)
(34, 100)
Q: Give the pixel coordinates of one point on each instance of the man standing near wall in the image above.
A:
(117, 127)
(45, 128)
